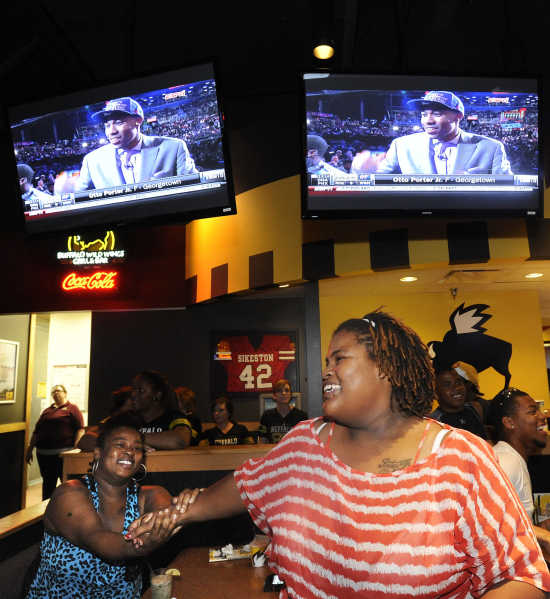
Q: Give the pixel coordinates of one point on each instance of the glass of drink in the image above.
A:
(161, 584)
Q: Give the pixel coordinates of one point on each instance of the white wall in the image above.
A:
(69, 356)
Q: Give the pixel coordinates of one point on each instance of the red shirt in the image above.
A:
(57, 426)
(445, 526)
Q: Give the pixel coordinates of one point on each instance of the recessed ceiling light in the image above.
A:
(534, 275)
(408, 279)
(323, 51)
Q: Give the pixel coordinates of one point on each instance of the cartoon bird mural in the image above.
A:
(467, 342)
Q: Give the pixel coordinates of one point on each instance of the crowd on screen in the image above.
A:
(199, 127)
(348, 136)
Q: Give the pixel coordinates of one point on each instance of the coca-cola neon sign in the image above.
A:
(99, 281)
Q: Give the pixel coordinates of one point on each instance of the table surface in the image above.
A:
(200, 579)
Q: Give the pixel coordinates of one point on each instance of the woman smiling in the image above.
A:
(84, 552)
(376, 500)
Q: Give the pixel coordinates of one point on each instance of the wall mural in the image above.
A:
(466, 341)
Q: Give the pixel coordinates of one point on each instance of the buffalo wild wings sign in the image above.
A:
(91, 252)
(89, 255)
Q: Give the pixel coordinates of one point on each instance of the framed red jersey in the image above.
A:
(249, 363)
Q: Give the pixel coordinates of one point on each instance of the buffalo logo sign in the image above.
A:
(466, 341)
(95, 251)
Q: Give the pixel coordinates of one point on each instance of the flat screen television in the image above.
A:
(152, 148)
(426, 146)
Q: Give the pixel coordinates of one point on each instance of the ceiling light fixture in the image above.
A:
(534, 275)
(284, 285)
(408, 279)
(324, 49)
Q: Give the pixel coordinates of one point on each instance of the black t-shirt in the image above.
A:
(166, 422)
(275, 427)
(467, 420)
(234, 436)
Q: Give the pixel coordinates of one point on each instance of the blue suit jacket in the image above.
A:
(476, 154)
(160, 157)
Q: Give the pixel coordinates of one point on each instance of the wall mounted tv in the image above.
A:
(151, 148)
(396, 145)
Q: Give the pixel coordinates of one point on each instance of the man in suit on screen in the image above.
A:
(130, 156)
(443, 148)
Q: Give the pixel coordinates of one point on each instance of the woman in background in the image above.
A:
(187, 405)
(58, 429)
(163, 426)
(276, 422)
(227, 431)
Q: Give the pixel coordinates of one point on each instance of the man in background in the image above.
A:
(443, 148)
(130, 156)
(521, 431)
(33, 198)
(453, 408)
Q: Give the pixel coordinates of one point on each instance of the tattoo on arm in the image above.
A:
(389, 465)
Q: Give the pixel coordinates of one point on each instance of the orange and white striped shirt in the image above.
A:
(446, 526)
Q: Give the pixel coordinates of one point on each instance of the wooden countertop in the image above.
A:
(22, 518)
(192, 459)
(232, 579)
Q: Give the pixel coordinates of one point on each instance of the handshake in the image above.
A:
(159, 525)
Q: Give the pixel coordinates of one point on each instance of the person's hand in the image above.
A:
(154, 528)
(366, 162)
(64, 183)
(29, 456)
(186, 498)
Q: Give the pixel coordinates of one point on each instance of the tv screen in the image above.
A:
(151, 148)
(396, 145)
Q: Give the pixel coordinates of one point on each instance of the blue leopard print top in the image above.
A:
(70, 572)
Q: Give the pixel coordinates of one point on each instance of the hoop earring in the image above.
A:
(95, 465)
(138, 480)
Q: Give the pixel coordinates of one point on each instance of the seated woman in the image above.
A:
(226, 431)
(84, 552)
(121, 402)
(187, 405)
(163, 426)
(375, 500)
(276, 423)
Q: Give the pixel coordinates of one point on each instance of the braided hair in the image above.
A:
(400, 356)
(503, 404)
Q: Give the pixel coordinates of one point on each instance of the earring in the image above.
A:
(144, 467)
(95, 464)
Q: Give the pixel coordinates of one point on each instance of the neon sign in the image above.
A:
(96, 251)
(99, 281)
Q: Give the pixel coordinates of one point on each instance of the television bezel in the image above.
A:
(142, 82)
(418, 213)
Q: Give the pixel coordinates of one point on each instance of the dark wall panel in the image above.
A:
(176, 343)
(11, 473)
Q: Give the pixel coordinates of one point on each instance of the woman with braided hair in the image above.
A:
(374, 500)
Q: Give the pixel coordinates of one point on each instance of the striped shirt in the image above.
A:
(446, 526)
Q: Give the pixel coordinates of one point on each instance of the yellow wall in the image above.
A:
(267, 219)
(515, 318)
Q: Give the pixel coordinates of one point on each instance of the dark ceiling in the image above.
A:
(55, 47)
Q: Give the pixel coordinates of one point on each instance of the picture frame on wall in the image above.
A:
(9, 355)
(246, 364)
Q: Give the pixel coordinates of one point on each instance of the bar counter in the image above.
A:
(191, 459)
